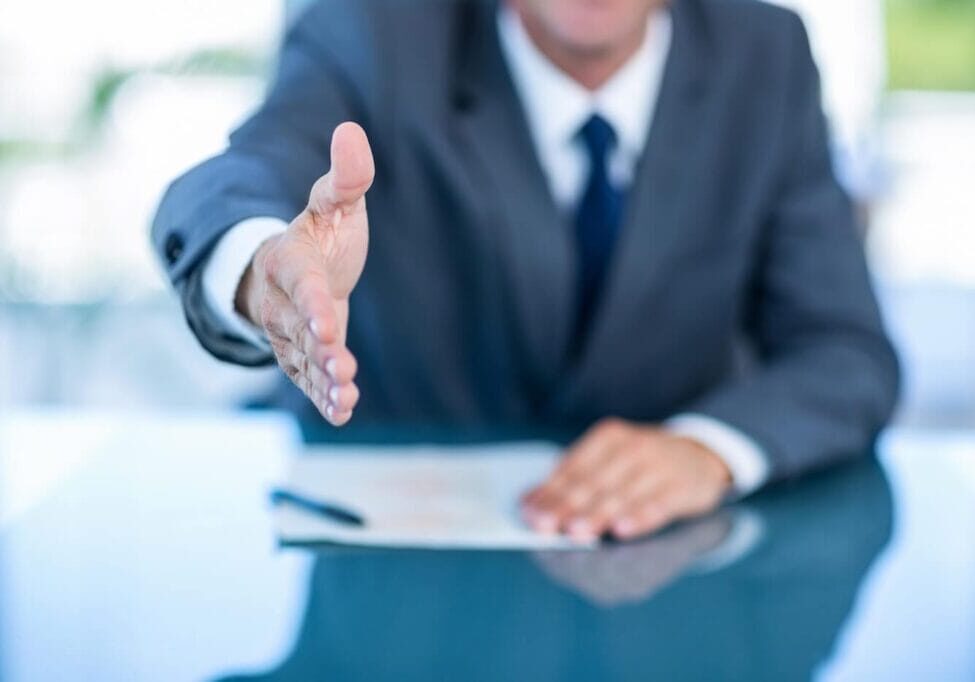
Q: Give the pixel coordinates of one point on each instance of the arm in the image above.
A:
(825, 384)
(828, 376)
(267, 170)
(296, 286)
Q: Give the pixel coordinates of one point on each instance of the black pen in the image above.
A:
(326, 509)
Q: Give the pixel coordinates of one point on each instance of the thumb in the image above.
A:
(351, 173)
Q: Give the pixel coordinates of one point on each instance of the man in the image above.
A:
(578, 208)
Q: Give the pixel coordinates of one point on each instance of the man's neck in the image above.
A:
(590, 68)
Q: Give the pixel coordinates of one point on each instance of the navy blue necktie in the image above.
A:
(597, 223)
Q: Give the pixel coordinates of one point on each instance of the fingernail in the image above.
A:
(330, 411)
(580, 528)
(546, 523)
(333, 395)
(315, 330)
(624, 527)
(331, 366)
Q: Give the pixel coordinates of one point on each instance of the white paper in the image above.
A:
(425, 497)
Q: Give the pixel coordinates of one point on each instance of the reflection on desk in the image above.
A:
(140, 547)
(621, 612)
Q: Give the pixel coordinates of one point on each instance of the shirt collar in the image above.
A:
(557, 106)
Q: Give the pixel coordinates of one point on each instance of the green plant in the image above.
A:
(230, 62)
(931, 44)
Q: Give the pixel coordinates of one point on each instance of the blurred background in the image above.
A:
(103, 102)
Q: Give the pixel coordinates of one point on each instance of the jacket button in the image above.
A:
(173, 248)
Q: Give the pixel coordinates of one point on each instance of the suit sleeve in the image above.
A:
(267, 170)
(827, 377)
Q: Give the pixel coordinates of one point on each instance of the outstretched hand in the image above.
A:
(298, 284)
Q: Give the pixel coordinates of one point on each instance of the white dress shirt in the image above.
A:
(555, 107)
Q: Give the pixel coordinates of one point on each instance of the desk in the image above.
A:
(139, 547)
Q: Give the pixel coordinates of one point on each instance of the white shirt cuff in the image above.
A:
(226, 266)
(747, 461)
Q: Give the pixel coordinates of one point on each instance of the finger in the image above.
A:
(343, 398)
(331, 371)
(296, 270)
(337, 418)
(278, 314)
(319, 379)
(330, 390)
(618, 494)
(649, 514)
(596, 518)
(572, 489)
(339, 363)
(349, 177)
(555, 495)
(297, 364)
(334, 415)
(601, 498)
(619, 467)
(314, 303)
(559, 503)
(316, 396)
(579, 459)
(337, 409)
(564, 498)
(589, 453)
(285, 321)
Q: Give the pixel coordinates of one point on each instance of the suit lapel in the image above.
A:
(534, 246)
(662, 188)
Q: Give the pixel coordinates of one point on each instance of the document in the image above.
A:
(422, 497)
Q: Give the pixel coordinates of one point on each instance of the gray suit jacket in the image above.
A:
(736, 230)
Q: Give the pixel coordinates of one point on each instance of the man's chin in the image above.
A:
(594, 32)
(588, 44)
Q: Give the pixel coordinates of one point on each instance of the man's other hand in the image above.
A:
(298, 284)
(627, 480)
